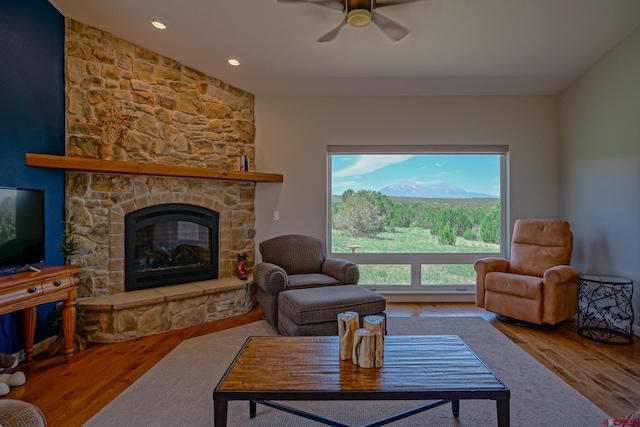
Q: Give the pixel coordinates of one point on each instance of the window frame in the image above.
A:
(416, 260)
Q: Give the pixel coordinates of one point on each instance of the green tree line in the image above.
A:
(366, 213)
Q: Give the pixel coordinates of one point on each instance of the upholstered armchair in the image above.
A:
(536, 285)
(296, 262)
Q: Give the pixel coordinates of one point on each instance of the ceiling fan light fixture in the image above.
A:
(359, 17)
(158, 23)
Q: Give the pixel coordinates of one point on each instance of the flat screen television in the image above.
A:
(21, 227)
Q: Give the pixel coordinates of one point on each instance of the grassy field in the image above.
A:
(411, 240)
(431, 274)
(407, 240)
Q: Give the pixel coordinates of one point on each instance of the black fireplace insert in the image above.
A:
(170, 244)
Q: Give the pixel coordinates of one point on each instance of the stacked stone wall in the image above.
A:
(147, 312)
(181, 117)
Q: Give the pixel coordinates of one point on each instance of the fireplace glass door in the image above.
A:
(170, 244)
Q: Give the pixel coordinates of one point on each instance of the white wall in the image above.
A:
(292, 135)
(600, 151)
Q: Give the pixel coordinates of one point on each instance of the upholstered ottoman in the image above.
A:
(314, 311)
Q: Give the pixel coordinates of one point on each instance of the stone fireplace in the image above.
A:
(99, 205)
(181, 118)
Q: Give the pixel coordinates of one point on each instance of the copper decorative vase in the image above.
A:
(105, 152)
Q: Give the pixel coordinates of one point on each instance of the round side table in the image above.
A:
(604, 308)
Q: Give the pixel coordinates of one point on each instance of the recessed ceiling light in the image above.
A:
(159, 23)
(233, 61)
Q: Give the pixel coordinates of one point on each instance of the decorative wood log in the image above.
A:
(367, 349)
(348, 322)
(374, 324)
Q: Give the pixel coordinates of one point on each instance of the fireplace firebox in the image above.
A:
(170, 244)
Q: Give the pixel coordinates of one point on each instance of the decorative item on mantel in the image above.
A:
(113, 126)
(243, 162)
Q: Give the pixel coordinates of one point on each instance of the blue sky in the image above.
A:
(473, 173)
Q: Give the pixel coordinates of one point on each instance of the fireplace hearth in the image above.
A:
(170, 244)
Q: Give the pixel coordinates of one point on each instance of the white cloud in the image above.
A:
(439, 165)
(367, 164)
(345, 184)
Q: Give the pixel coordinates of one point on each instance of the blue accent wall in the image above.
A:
(32, 111)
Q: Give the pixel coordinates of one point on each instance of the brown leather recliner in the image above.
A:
(537, 285)
(296, 262)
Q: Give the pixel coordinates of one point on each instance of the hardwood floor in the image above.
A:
(71, 393)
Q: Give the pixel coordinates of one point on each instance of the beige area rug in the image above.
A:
(178, 390)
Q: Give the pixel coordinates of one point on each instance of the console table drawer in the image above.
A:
(20, 293)
(26, 290)
(58, 283)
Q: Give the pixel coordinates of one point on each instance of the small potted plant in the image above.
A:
(79, 344)
(69, 246)
(113, 126)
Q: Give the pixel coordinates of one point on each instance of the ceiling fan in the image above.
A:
(359, 13)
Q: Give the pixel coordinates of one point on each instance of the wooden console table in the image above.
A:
(25, 291)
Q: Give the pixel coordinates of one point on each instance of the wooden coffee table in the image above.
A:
(433, 367)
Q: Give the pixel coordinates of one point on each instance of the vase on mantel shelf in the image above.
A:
(112, 126)
(105, 151)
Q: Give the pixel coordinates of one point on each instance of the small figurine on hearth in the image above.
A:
(241, 269)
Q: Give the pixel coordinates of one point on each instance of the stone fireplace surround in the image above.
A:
(184, 118)
(99, 202)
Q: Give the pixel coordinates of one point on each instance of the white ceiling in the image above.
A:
(456, 47)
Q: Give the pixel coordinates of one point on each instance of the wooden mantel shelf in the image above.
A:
(82, 164)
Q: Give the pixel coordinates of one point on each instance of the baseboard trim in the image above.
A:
(38, 347)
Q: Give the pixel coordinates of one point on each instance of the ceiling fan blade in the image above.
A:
(333, 33)
(331, 4)
(394, 2)
(390, 28)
